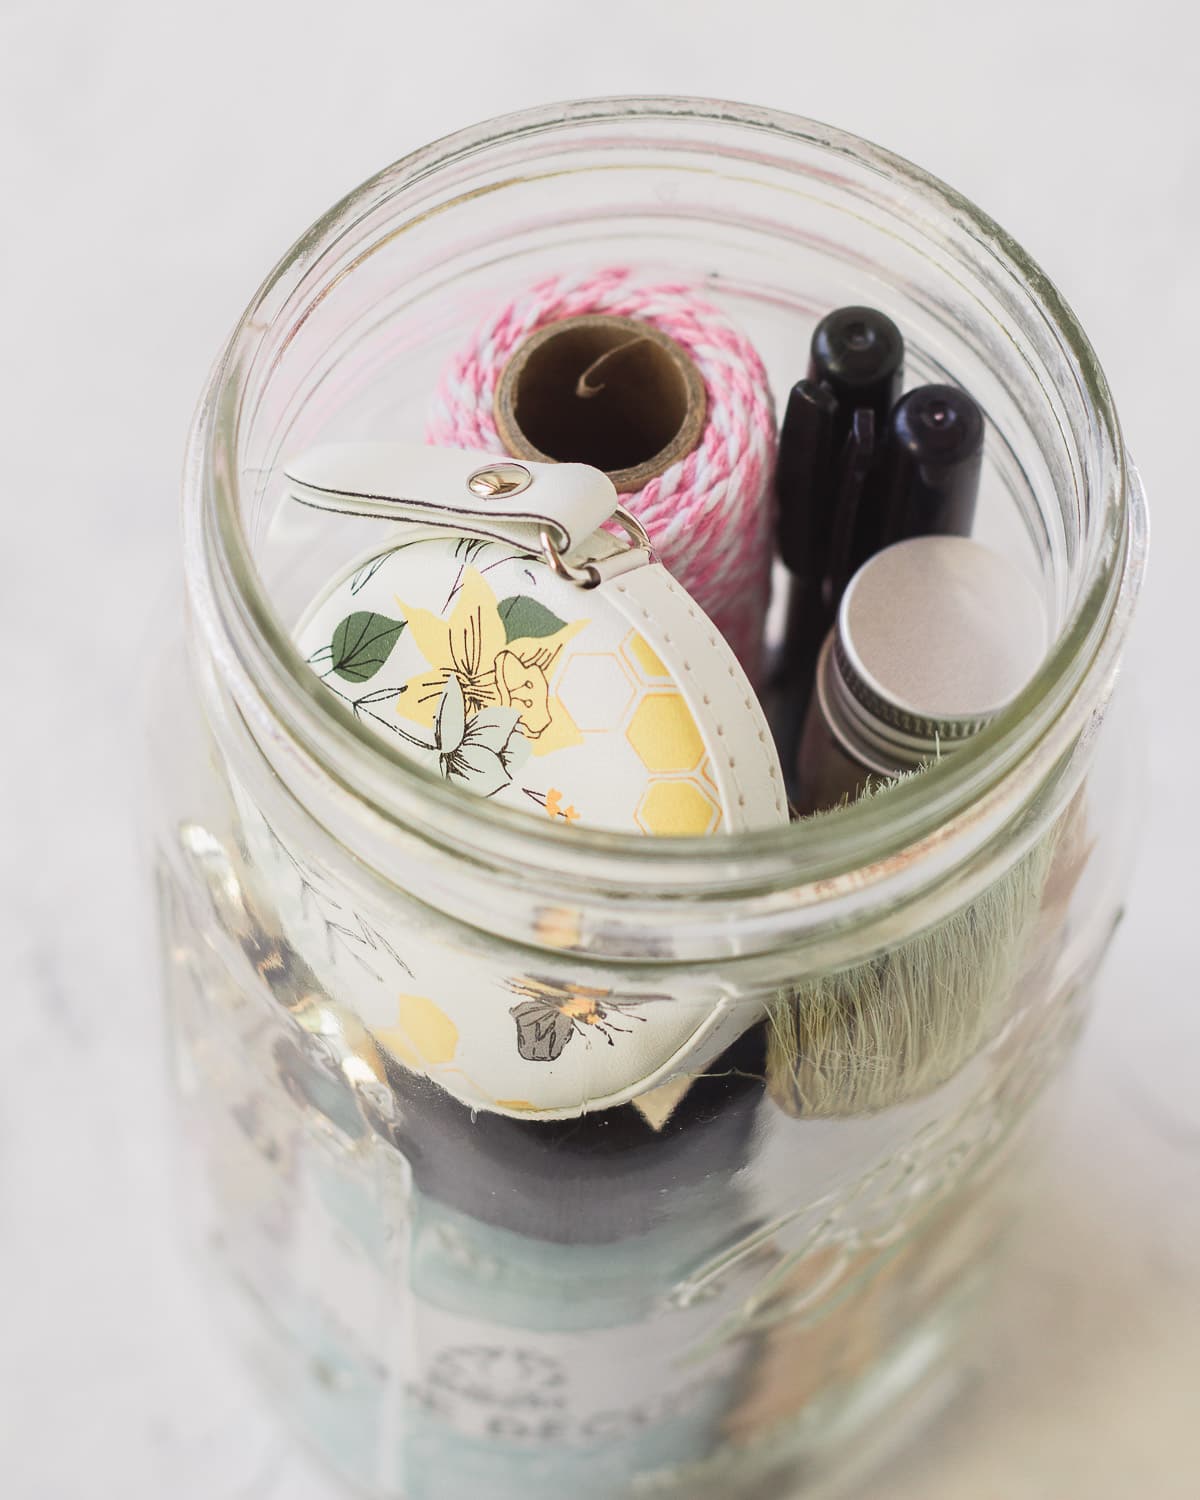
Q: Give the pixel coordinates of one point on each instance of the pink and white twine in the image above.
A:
(711, 515)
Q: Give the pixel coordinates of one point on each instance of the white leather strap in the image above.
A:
(433, 486)
(742, 750)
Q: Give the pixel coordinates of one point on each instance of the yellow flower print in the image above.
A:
(492, 670)
(555, 809)
(465, 646)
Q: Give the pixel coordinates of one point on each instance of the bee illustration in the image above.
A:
(551, 1014)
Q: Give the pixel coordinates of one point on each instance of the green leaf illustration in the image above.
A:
(362, 643)
(524, 617)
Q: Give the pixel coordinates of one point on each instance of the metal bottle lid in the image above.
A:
(934, 637)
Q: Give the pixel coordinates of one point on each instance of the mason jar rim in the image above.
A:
(955, 802)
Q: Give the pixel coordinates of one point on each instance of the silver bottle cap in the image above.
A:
(934, 637)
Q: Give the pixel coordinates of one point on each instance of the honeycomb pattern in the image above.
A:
(423, 1034)
(642, 657)
(659, 759)
(597, 690)
(664, 734)
(677, 807)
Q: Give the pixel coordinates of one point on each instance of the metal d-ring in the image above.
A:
(587, 577)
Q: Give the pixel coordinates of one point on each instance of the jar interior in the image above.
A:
(833, 1219)
(400, 276)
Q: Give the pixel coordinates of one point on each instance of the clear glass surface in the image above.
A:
(770, 1283)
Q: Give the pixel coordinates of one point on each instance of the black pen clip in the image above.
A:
(853, 468)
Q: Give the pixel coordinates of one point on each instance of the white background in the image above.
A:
(155, 159)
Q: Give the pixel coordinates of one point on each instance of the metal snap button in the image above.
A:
(499, 479)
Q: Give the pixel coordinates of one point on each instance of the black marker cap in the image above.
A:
(932, 453)
(803, 478)
(858, 353)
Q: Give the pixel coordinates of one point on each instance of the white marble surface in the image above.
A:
(155, 160)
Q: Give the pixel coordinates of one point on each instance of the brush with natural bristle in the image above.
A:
(882, 1032)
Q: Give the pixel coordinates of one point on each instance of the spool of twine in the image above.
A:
(653, 385)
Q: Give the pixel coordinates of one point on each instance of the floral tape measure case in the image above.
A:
(611, 705)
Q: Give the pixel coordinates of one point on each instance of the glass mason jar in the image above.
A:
(738, 1297)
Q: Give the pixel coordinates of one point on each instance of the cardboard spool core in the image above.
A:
(601, 390)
